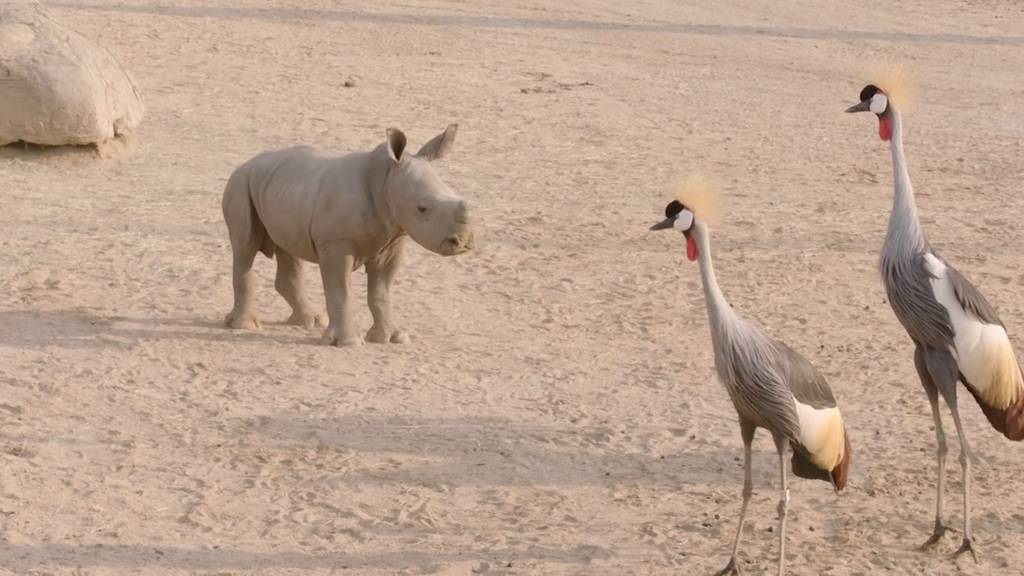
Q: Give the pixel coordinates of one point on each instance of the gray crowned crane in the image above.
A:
(957, 335)
(771, 386)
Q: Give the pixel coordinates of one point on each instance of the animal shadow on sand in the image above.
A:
(475, 451)
(28, 558)
(82, 329)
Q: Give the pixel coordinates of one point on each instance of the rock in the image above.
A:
(56, 86)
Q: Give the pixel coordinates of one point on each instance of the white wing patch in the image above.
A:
(821, 433)
(983, 351)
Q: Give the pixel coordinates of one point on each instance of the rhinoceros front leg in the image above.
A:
(289, 286)
(378, 296)
(336, 263)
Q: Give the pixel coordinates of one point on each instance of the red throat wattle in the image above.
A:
(884, 129)
(691, 248)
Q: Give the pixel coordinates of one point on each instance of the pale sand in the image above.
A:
(556, 412)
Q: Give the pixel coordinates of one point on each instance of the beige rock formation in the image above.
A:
(57, 87)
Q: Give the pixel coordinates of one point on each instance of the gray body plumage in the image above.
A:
(761, 374)
(905, 273)
(932, 301)
(765, 380)
(771, 387)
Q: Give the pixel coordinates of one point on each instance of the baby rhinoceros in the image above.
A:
(342, 212)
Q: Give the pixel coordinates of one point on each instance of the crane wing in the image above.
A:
(984, 355)
(823, 450)
(971, 300)
(806, 384)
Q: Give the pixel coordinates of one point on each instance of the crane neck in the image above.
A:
(720, 314)
(905, 233)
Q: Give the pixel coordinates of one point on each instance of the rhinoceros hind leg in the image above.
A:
(241, 316)
(289, 282)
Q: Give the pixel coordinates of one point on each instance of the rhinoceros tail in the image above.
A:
(246, 230)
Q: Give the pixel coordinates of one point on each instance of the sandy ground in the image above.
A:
(556, 412)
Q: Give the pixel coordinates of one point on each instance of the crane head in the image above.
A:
(679, 217)
(874, 99)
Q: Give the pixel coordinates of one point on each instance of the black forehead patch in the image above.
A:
(869, 92)
(674, 207)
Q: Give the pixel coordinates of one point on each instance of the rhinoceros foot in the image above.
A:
(383, 336)
(305, 319)
(242, 322)
(334, 337)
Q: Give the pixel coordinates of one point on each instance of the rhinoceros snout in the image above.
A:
(456, 244)
(451, 245)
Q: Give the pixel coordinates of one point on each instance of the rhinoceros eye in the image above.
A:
(422, 209)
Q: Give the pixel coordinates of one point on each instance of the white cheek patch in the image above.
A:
(683, 221)
(879, 102)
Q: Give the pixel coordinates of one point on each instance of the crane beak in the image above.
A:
(864, 106)
(664, 224)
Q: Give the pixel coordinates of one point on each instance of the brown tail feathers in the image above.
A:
(842, 470)
(1009, 420)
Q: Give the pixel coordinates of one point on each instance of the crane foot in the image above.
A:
(934, 539)
(731, 569)
(967, 546)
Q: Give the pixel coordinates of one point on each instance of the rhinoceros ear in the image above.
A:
(439, 145)
(396, 144)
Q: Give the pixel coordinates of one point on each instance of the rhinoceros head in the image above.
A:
(422, 204)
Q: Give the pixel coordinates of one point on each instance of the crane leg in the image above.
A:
(747, 431)
(783, 446)
(941, 448)
(965, 463)
(945, 374)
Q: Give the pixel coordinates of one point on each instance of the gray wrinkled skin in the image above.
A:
(343, 212)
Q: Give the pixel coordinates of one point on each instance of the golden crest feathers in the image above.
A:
(700, 195)
(894, 81)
